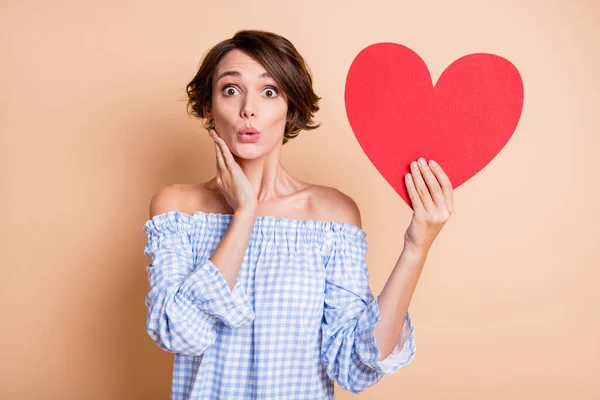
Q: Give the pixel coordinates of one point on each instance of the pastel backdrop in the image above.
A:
(93, 122)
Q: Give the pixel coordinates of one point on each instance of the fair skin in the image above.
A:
(244, 97)
(251, 182)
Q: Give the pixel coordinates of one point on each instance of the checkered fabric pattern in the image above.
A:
(300, 315)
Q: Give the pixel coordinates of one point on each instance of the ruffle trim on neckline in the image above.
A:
(262, 222)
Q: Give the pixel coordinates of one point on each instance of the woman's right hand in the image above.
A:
(232, 181)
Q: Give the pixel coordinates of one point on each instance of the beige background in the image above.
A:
(93, 122)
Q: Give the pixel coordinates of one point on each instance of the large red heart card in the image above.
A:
(462, 122)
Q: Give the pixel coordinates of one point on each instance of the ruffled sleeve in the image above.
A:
(348, 349)
(185, 301)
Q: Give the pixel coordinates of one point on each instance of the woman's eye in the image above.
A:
(229, 90)
(270, 92)
(232, 91)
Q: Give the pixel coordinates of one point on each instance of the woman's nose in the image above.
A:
(247, 113)
(249, 107)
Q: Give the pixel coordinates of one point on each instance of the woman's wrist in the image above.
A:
(246, 213)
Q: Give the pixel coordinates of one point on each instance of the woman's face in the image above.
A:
(244, 95)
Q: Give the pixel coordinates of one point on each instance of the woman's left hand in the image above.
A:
(431, 194)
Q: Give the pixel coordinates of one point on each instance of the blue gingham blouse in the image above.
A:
(300, 315)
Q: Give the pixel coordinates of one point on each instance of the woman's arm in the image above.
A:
(431, 195)
(188, 295)
(238, 192)
(395, 299)
(229, 254)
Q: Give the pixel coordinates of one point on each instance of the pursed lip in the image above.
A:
(248, 129)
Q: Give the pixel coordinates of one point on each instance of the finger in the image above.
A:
(220, 162)
(225, 153)
(445, 183)
(412, 193)
(421, 187)
(432, 183)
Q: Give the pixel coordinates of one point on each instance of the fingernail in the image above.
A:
(422, 161)
(433, 163)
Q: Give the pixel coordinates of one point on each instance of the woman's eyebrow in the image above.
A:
(264, 75)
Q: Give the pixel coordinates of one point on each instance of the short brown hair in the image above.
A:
(279, 57)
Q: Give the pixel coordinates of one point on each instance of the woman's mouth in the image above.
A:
(249, 135)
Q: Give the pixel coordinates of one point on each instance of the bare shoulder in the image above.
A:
(335, 205)
(176, 197)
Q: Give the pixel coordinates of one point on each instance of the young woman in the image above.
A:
(258, 280)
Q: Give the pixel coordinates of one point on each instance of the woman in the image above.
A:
(258, 281)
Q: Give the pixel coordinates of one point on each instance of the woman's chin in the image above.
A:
(246, 151)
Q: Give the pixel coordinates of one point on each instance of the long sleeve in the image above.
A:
(349, 351)
(185, 300)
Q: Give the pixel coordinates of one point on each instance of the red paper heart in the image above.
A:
(397, 114)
